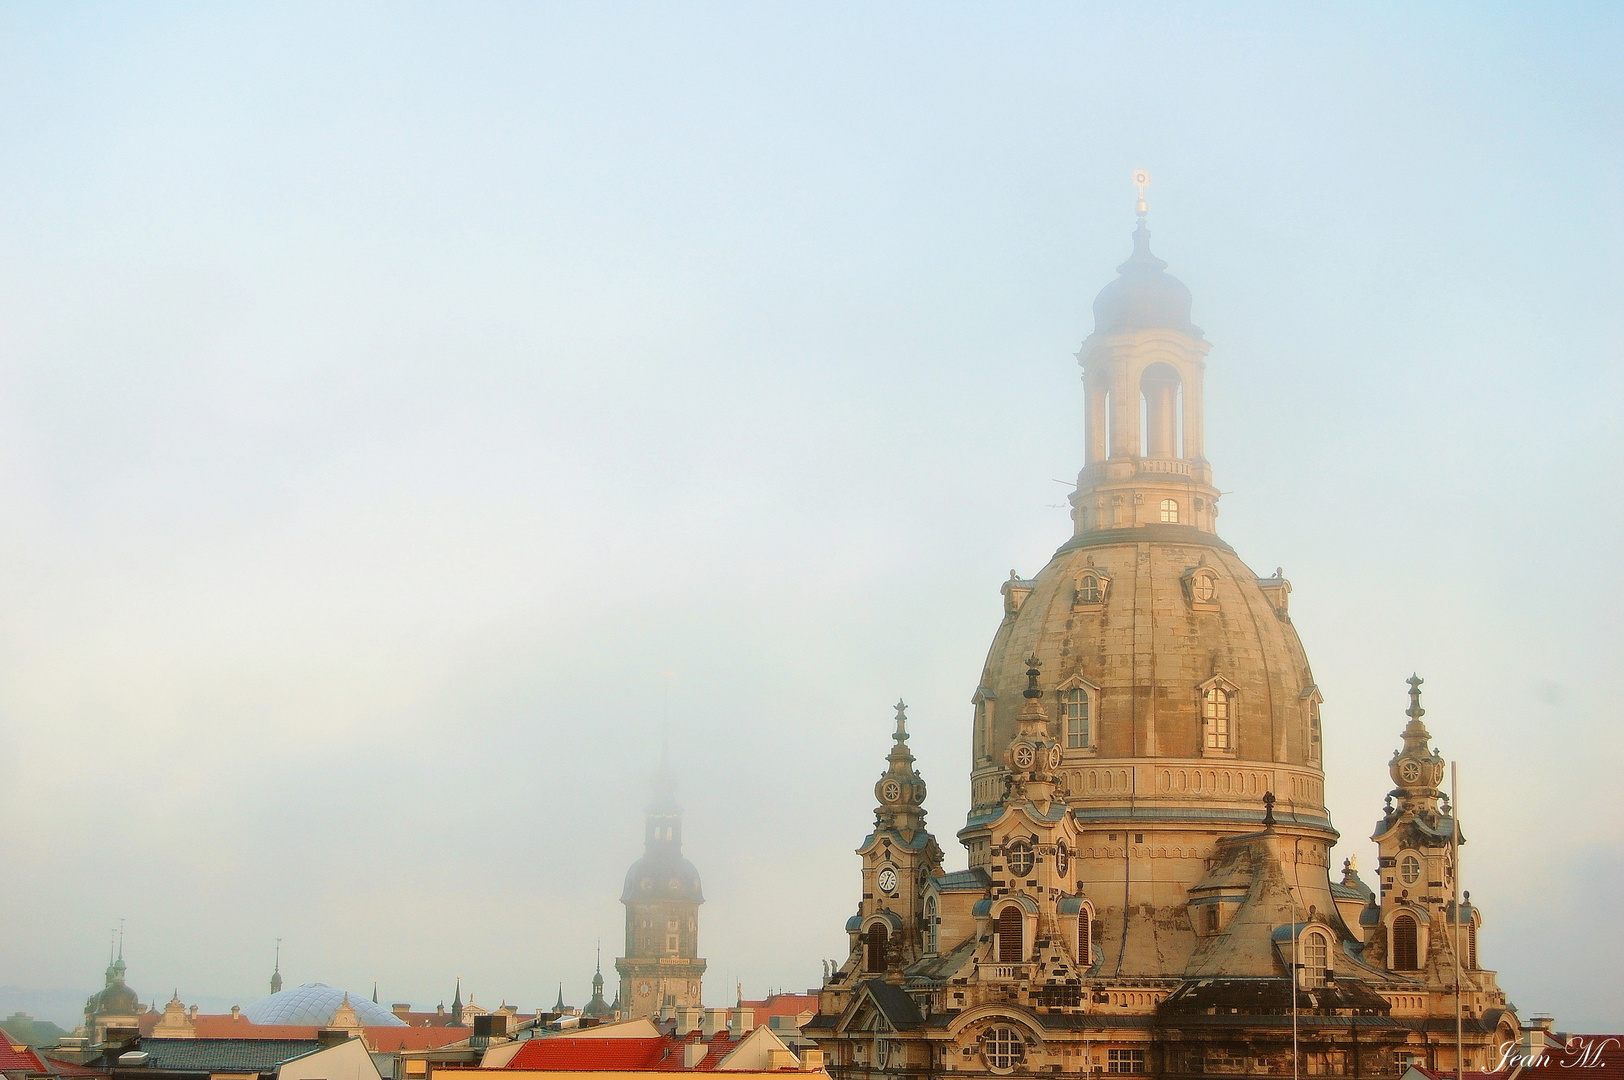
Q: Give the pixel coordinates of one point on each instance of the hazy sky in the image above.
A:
(391, 395)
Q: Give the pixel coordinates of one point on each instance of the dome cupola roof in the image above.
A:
(1143, 296)
(313, 1004)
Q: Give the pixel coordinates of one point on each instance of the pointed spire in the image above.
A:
(374, 991)
(456, 1000)
(276, 971)
(559, 1007)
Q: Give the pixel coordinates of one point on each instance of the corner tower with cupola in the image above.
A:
(662, 969)
(899, 858)
(1148, 887)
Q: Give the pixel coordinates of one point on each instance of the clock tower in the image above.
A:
(899, 859)
(662, 968)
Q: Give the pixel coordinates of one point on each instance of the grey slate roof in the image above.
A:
(224, 1055)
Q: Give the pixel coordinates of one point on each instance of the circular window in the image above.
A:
(1409, 868)
(1024, 756)
(1003, 1048)
(1021, 859)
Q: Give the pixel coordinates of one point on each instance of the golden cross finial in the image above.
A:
(1141, 180)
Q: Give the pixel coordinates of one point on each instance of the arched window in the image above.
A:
(876, 942)
(1085, 939)
(1170, 511)
(1215, 714)
(1077, 732)
(1088, 590)
(1010, 946)
(1471, 946)
(1405, 951)
(930, 924)
(1316, 959)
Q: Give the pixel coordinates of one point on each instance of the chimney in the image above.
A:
(743, 1021)
(811, 1060)
(191, 1013)
(1537, 1036)
(713, 1024)
(693, 1053)
(236, 1013)
(782, 1059)
(401, 1008)
(688, 1018)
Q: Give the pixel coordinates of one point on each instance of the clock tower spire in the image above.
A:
(662, 968)
(899, 857)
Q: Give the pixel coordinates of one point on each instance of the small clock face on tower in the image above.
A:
(642, 991)
(1023, 756)
(1054, 757)
(891, 791)
(888, 879)
(1410, 771)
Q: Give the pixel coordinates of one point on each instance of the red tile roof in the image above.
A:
(1585, 1057)
(16, 1057)
(617, 1055)
(782, 1005)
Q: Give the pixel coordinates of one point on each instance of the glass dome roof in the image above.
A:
(313, 1004)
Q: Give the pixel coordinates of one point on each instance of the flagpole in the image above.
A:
(1454, 852)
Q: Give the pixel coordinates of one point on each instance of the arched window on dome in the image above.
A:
(1088, 589)
(1405, 955)
(875, 942)
(1471, 946)
(1085, 938)
(1316, 958)
(1011, 947)
(1077, 719)
(1216, 718)
(1170, 511)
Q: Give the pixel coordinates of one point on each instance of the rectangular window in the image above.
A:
(1124, 1061)
(671, 943)
(1216, 713)
(1077, 718)
(1212, 918)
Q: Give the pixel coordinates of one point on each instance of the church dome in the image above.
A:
(662, 875)
(1143, 296)
(313, 1004)
(1178, 616)
(116, 999)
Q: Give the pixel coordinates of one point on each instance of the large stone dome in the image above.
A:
(1177, 612)
(313, 1004)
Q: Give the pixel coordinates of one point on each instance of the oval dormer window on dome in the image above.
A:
(1409, 868)
(1088, 589)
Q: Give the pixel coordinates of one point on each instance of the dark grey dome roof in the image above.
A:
(115, 1000)
(662, 875)
(1143, 297)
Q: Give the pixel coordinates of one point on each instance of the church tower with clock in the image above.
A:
(899, 859)
(662, 968)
